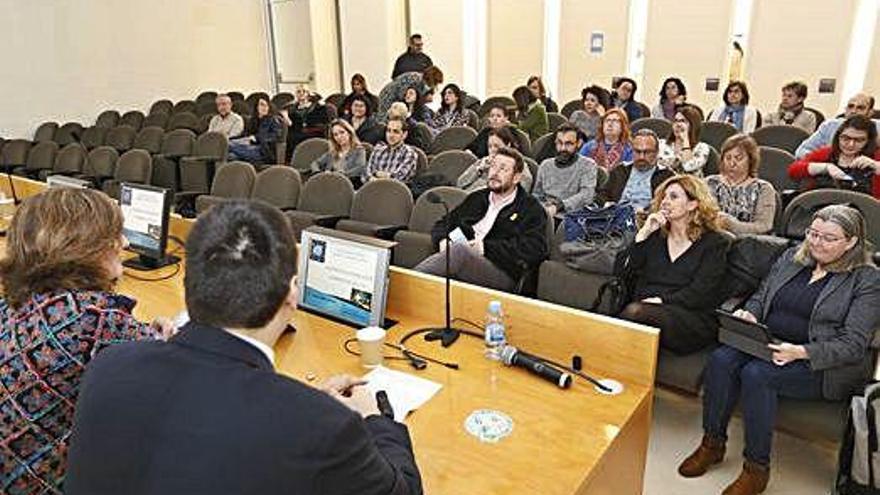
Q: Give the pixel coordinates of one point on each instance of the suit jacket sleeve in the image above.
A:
(851, 342)
(370, 457)
(703, 291)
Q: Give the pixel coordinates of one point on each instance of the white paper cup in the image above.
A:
(371, 341)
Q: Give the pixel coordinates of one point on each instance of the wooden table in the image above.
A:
(563, 441)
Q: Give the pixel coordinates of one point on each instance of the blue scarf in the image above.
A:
(733, 114)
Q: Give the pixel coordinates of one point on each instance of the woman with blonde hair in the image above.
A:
(747, 203)
(346, 154)
(819, 302)
(58, 309)
(678, 262)
(612, 145)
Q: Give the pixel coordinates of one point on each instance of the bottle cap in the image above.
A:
(495, 306)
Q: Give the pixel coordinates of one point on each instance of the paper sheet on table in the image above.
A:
(405, 392)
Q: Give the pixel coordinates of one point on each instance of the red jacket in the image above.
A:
(799, 170)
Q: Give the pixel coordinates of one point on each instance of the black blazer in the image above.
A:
(206, 413)
(517, 241)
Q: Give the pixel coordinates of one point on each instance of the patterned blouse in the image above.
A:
(44, 346)
(445, 120)
(668, 159)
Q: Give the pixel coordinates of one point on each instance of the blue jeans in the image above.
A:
(732, 375)
(245, 151)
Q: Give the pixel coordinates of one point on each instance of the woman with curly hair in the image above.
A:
(678, 262)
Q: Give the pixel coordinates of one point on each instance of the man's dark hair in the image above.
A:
(241, 257)
(415, 36)
(566, 127)
(797, 87)
(518, 162)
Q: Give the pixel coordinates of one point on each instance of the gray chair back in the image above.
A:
(523, 140)
(336, 100)
(473, 120)
(184, 106)
(281, 100)
(178, 142)
(161, 106)
(108, 119)
(555, 120)
(661, 127)
(450, 164)
(65, 134)
(252, 98)
(382, 202)
(41, 156)
(158, 119)
(774, 167)
(70, 160)
(421, 160)
(94, 136)
(425, 214)
(715, 133)
(184, 120)
(453, 138)
(308, 151)
(101, 162)
(134, 166)
(149, 139)
(713, 162)
(784, 137)
(234, 180)
(45, 132)
(206, 96)
(213, 145)
(327, 193)
(571, 107)
(278, 185)
(15, 153)
(133, 118)
(546, 140)
(121, 138)
(798, 214)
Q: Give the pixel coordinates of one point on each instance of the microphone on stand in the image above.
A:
(446, 335)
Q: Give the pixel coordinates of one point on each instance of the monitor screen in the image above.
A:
(145, 211)
(344, 276)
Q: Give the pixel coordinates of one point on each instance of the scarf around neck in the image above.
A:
(788, 115)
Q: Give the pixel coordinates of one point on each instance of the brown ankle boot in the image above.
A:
(710, 451)
(751, 481)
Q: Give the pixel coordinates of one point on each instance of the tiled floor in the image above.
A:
(798, 467)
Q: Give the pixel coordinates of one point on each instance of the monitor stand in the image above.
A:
(146, 263)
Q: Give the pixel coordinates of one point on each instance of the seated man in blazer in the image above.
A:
(206, 413)
(497, 233)
(636, 182)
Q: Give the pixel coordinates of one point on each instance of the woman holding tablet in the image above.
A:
(820, 299)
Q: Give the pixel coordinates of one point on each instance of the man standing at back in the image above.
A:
(414, 59)
(206, 413)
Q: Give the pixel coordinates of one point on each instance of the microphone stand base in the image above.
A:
(446, 336)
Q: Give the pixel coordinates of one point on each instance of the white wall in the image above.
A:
(75, 58)
(798, 40)
(516, 44)
(872, 81)
(440, 24)
(688, 39)
(373, 36)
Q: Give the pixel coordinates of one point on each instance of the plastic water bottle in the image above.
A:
(495, 333)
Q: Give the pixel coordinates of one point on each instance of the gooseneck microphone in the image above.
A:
(511, 356)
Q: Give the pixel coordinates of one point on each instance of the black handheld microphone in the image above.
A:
(511, 356)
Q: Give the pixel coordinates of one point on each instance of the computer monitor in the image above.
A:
(344, 276)
(145, 213)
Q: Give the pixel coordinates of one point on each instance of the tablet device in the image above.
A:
(743, 335)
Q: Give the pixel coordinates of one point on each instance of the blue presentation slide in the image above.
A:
(334, 306)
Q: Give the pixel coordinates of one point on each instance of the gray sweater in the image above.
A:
(353, 165)
(573, 185)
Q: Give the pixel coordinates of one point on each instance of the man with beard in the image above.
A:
(497, 234)
(635, 182)
(568, 181)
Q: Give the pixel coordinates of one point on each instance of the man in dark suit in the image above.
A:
(636, 182)
(206, 413)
